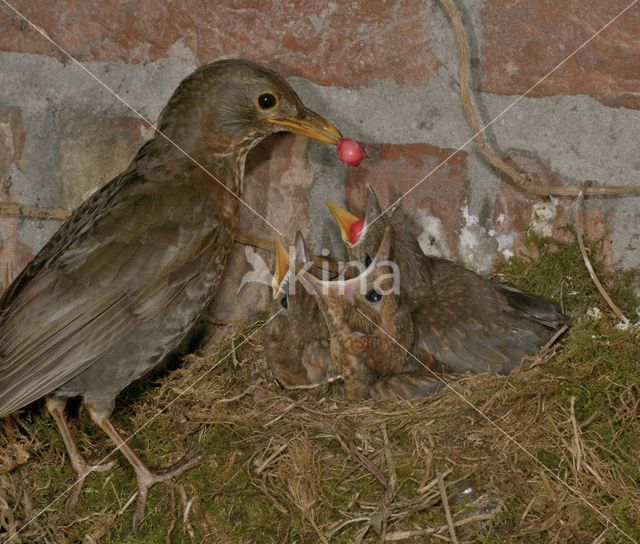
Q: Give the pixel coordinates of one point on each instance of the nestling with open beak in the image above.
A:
(371, 331)
(462, 320)
(296, 341)
(126, 277)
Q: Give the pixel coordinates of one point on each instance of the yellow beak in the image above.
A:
(308, 123)
(344, 218)
(282, 266)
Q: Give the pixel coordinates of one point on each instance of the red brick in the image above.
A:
(515, 214)
(279, 180)
(12, 138)
(14, 254)
(524, 40)
(392, 170)
(339, 43)
(277, 186)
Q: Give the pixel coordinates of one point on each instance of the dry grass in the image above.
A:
(515, 459)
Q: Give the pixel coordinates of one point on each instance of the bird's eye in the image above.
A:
(267, 101)
(284, 302)
(367, 261)
(374, 296)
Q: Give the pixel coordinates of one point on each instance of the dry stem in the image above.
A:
(587, 261)
(520, 178)
(447, 510)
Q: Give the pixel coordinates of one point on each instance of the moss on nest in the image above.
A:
(295, 467)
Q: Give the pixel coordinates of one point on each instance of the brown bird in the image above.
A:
(370, 332)
(296, 340)
(462, 320)
(127, 276)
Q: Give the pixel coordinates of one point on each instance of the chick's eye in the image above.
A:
(284, 302)
(374, 296)
(367, 261)
(267, 101)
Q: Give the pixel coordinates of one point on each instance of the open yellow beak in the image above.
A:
(282, 266)
(308, 123)
(344, 218)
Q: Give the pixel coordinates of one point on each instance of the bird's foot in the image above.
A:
(147, 478)
(82, 469)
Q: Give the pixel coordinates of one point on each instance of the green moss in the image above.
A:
(597, 370)
(558, 273)
(549, 459)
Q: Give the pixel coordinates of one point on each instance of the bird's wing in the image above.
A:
(84, 295)
(532, 307)
(406, 385)
(470, 326)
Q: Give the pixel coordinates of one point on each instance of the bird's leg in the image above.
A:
(56, 406)
(146, 478)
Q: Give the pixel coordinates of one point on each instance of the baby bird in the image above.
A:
(296, 340)
(462, 320)
(370, 332)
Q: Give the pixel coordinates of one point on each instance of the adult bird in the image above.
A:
(125, 278)
(462, 320)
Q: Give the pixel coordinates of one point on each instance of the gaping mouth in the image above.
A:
(310, 124)
(352, 286)
(350, 225)
(282, 267)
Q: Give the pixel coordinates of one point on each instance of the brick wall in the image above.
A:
(384, 71)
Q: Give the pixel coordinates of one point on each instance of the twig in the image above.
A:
(587, 262)
(473, 519)
(30, 212)
(393, 483)
(276, 504)
(520, 178)
(577, 442)
(314, 385)
(391, 465)
(126, 504)
(338, 526)
(234, 359)
(238, 396)
(187, 504)
(422, 490)
(349, 447)
(406, 535)
(270, 459)
(600, 537)
(447, 510)
(553, 339)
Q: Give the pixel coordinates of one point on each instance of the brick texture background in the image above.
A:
(385, 71)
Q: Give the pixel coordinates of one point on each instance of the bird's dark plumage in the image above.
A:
(296, 340)
(464, 321)
(357, 332)
(126, 277)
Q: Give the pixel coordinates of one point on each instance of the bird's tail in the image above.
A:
(533, 307)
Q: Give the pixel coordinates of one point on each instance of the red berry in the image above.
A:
(356, 230)
(350, 152)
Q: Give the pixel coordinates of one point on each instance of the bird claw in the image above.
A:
(147, 478)
(82, 470)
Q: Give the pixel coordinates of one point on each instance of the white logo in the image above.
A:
(260, 273)
(352, 277)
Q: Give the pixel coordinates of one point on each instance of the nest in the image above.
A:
(547, 453)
